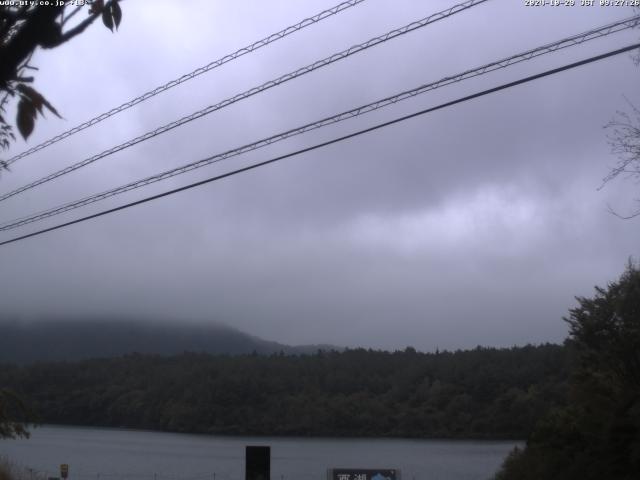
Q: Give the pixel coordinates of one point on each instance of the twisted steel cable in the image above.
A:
(184, 78)
(355, 112)
(253, 91)
(332, 141)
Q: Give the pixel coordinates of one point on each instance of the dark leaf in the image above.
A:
(116, 11)
(32, 95)
(50, 107)
(37, 99)
(107, 19)
(35, 102)
(26, 117)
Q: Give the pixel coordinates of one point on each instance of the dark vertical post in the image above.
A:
(258, 463)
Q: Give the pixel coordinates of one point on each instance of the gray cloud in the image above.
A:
(473, 225)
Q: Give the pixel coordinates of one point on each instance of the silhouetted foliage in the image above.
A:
(25, 26)
(624, 140)
(480, 393)
(597, 435)
(13, 415)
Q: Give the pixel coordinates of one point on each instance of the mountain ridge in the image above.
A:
(72, 340)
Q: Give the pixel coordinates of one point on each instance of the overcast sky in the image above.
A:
(477, 224)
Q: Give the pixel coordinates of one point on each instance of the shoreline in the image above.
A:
(232, 436)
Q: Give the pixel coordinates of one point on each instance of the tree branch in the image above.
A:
(81, 27)
(78, 29)
(71, 15)
(623, 217)
(37, 29)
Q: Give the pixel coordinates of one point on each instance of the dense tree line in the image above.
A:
(14, 415)
(480, 393)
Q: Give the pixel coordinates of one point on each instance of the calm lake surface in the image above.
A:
(110, 454)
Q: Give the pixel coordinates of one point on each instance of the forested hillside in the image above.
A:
(56, 340)
(481, 393)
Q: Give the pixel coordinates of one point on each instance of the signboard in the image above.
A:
(363, 474)
(64, 470)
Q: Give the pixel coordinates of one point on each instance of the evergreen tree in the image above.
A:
(598, 434)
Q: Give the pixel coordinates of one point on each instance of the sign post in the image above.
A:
(257, 463)
(64, 470)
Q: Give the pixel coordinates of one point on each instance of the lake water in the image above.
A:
(111, 454)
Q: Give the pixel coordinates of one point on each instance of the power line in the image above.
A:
(335, 140)
(361, 110)
(184, 78)
(253, 91)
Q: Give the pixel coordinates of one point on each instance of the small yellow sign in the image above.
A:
(64, 470)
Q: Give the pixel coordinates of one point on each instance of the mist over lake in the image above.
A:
(96, 453)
